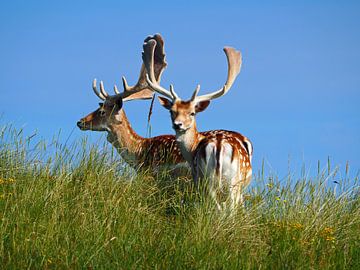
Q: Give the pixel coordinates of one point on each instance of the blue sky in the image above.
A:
(297, 97)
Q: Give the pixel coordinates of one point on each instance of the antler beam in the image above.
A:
(234, 60)
(234, 65)
(141, 89)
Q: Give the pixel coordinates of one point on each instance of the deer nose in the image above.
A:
(177, 125)
(79, 124)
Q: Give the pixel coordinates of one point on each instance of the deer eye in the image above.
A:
(192, 114)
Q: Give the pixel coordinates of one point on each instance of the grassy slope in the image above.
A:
(76, 211)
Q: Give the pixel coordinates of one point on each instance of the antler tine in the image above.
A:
(197, 89)
(102, 90)
(173, 93)
(96, 91)
(125, 84)
(116, 90)
(234, 60)
(148, 59)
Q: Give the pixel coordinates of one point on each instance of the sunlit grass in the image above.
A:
(77, 206)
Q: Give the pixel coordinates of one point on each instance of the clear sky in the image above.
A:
(297, 97)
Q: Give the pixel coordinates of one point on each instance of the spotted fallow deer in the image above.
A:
(138, 152)
(221, 157)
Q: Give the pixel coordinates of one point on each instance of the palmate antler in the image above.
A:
(234, 65)
(141, 89)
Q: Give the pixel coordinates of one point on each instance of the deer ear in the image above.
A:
(202, 105)
(119, 102)
(165, 102)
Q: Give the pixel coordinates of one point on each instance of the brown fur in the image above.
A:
(148, 152)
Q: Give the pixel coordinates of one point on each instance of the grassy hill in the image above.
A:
(79, 207)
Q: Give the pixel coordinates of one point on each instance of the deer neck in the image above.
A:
(188, 141)
(124, 138)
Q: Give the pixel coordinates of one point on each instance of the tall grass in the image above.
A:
(79, 207)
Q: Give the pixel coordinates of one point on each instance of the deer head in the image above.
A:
(183, 112)
(107, 113)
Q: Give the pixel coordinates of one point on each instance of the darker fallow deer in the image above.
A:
(222, 158)
(150, 154)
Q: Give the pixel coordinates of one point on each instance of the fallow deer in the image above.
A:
(138, 152)
(221, 157)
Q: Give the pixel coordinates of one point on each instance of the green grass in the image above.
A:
(75, 207)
